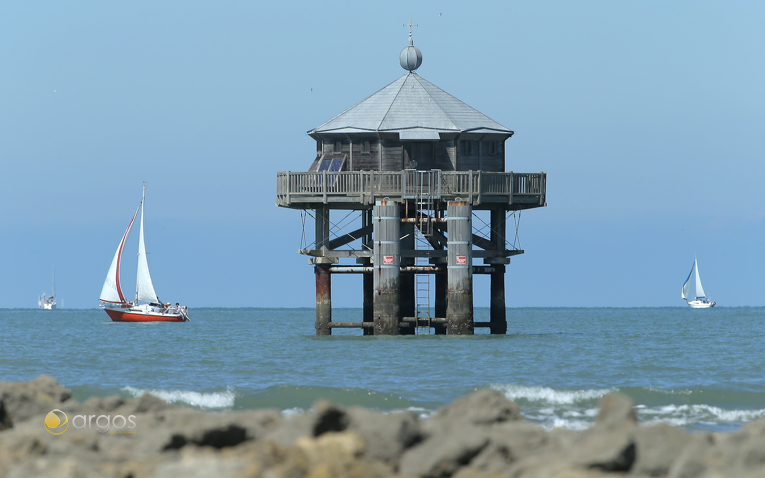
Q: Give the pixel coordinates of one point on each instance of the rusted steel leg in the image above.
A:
(323, 299)
(497, 311)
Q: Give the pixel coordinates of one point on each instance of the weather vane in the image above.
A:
(410, 25)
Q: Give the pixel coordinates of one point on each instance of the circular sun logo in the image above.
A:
(56, 422)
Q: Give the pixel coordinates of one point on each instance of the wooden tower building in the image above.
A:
(413, 163)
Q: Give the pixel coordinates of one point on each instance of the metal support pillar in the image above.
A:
(387, 260)
(407, 281)
(497, 312)
(440, 303)
(367, 279)
(369, 294)
(459, 305)
(322, 228)
(323, 299)
(323, 276)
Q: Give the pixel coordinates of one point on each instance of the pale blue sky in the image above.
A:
(649, 118)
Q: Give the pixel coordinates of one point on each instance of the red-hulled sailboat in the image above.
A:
(146, 307)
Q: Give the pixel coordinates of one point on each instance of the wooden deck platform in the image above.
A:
(360, 189)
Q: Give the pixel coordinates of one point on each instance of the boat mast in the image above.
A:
(138, 275)
(54, 281)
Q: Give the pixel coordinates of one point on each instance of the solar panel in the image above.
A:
(337, 164)
(325, 165)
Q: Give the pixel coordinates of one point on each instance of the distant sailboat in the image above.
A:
(112, 299)
(48, 302)
(699, 300)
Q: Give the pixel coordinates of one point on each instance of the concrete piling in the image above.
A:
(386, 272)
(459, 305)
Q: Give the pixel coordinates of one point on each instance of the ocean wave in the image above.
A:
(210, 400)
(683, 415)
(548, 395)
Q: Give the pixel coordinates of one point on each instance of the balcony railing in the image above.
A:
(295, 189)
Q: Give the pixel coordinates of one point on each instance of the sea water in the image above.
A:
(698, 369)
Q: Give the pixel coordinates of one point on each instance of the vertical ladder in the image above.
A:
(426, 190)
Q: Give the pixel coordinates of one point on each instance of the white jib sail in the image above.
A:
(144, 289)
(699, 289)
(112, 292)
(687, 285)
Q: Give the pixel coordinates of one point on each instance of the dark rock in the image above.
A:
(24, 400)
(658, 446)
(449, 446)
(386, 435)
(328, 418)
(485, 407)
(5, 419)
(324, 417)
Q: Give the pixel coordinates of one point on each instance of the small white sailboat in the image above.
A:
(48, 302)
(698, 300)
(151, 310)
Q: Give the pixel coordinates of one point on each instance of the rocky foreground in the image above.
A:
(478, 436)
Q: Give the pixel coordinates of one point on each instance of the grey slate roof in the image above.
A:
(413, 107)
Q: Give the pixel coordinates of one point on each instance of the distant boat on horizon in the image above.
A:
(151, 310)
(700, 299)
(48, 302)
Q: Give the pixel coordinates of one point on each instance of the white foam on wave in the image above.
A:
(196, 399)
(548, 395)
(683, 415)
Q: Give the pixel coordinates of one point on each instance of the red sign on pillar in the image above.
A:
(388, 260)
(461, 260)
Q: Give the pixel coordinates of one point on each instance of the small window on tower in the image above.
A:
(468, 147)
(492, 147)
(366, 146)
(338, 146)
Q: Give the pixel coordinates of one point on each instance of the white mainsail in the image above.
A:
(699, 290)
(144, 289)
(112, 292)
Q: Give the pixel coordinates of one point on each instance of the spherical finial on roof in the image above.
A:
(411, 56)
